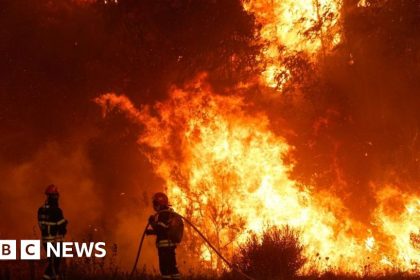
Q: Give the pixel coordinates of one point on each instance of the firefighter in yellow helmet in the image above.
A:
(53, 227)
(163, 224)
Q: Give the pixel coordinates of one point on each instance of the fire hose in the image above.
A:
(203, 237)
(138, 252)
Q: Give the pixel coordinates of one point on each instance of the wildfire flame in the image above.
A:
(226, 171)
(229, 173)
(310, 26)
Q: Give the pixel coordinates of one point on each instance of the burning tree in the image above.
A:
(224, 166)
(291, 28)
(211, 208)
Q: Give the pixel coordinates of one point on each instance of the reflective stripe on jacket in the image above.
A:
(165, 243)
(51, 223)
(160, 224)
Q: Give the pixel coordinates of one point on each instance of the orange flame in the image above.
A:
(398, 218)
(227, 172)
(290, 26)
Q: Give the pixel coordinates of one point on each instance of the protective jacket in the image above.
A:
(166, 248)
(52, 223)
(160, 227)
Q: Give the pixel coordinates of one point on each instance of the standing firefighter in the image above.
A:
(168, 228)
(53, 228)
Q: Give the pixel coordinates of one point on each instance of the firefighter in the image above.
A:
(53, 228)
(166, 246)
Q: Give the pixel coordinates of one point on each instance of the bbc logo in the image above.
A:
(29, 250)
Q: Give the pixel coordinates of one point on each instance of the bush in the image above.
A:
(276, 254)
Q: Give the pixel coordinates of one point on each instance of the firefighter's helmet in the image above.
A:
(160, 200)
(51, 190)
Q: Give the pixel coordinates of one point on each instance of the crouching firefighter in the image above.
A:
(168, 228)
(53, 228)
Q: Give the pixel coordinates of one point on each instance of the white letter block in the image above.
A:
(30, 250)
(7, 249)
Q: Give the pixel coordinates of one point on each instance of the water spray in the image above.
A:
(228, 263)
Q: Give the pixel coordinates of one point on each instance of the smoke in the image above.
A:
(57, 57)
(24, 185)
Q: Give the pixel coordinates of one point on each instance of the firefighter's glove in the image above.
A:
(150, 232)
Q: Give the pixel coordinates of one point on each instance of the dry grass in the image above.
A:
(275, 255)
(25, 270)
